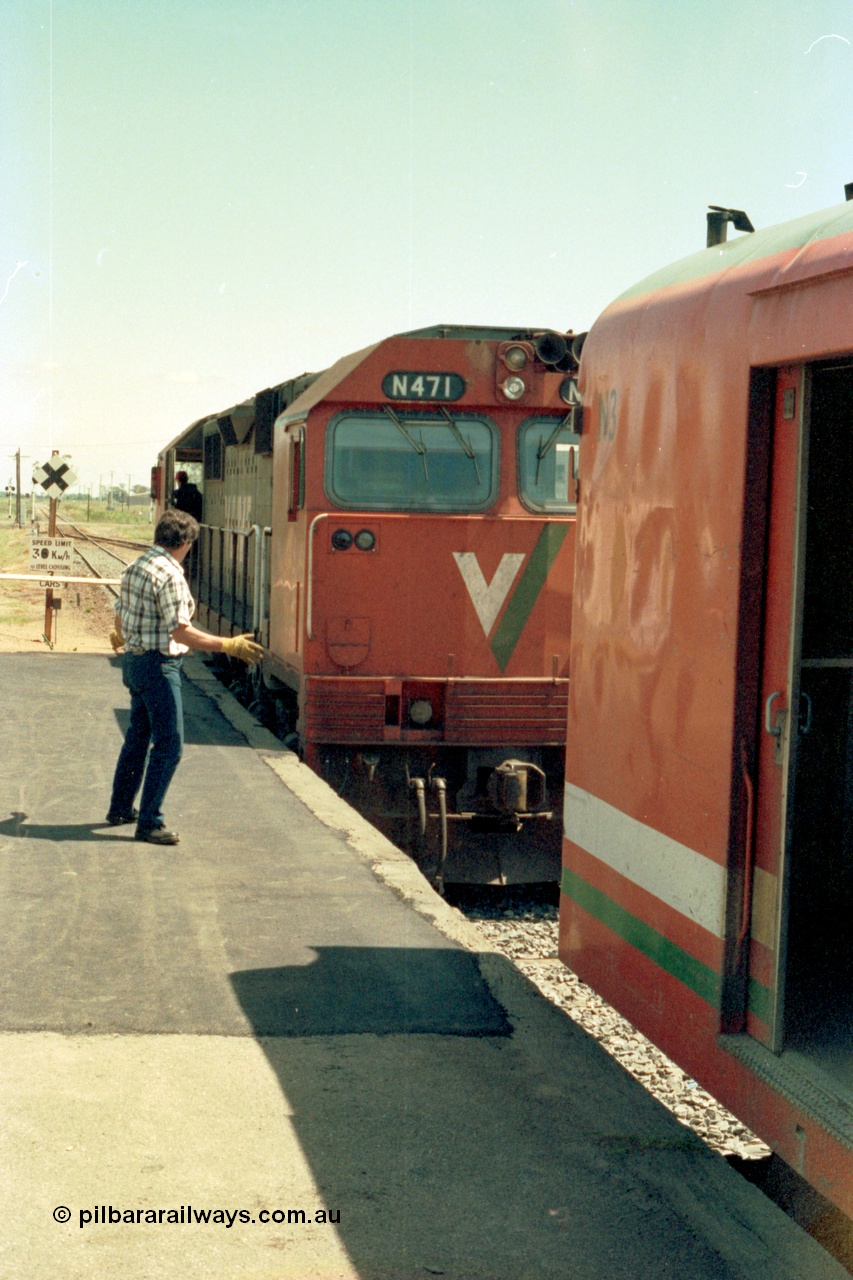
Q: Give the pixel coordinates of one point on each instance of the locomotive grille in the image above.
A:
(337, 711)
(475, 712)
(506, 712)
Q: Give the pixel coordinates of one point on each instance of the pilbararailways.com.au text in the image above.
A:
(112, 1215)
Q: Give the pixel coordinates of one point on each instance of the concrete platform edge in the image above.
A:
(388, 863)
(713, 1198)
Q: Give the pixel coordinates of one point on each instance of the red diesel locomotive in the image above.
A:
(398, 532)
(707, 887)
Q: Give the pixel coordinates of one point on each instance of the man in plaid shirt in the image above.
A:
(154, 623)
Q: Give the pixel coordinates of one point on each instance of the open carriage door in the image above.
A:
(800, 895)
(765, 894)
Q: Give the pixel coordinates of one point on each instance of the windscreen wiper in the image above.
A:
(546, 446)
(465, 445)
(417, 445)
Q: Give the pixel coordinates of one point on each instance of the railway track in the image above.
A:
(79, 532)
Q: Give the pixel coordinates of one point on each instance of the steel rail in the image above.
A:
(98, 577)
(98, 541)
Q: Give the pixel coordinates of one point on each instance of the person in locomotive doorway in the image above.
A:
(153, 624)
(187, 496)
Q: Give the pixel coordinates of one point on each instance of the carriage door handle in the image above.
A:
(775, 724)
(805, 713)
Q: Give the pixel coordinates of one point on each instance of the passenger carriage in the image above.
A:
(708, 857)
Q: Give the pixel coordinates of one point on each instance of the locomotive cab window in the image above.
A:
(548, 465)
(213, 456)
(296, 471)
(398, 461)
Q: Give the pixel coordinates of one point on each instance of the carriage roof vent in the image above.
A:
(718, 223)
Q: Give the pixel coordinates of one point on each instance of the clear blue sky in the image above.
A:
(201, 198)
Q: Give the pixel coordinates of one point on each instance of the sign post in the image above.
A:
(54, 477)
(48, 595)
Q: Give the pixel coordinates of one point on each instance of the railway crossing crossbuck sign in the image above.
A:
(55, 476)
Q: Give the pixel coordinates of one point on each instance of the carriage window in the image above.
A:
(548, 465)
(397, 461)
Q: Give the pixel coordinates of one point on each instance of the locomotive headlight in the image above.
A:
(365, 540)
(515, 358)
(342, 539)
(420, 711)
(513, 388)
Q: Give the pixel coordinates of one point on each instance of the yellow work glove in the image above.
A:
(244, 648)
(116, 637)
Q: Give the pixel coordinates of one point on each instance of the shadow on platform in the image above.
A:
(204, 724)
(372, 990)
(16, 825)
(447, 1151)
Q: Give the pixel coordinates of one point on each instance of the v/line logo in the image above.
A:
(488, 597)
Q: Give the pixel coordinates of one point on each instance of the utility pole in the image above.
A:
(19, 458)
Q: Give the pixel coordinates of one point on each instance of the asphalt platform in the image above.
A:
(273, 1052)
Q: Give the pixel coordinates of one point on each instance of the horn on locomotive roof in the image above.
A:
(848, 191)
(550, 347)
(718, 220)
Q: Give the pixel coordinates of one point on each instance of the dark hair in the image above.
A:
(181, 475)
(174, 528)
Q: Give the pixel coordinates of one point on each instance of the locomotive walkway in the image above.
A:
(278, 1017)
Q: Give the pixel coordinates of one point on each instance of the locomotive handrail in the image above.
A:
(261, 532)
(309, 595)
(256, 532)
(213, 581)
(749, 853)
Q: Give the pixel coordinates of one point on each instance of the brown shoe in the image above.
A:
(158, 835)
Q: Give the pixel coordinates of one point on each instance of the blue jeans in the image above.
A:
(156, 717)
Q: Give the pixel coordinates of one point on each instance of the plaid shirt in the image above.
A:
(153, 601)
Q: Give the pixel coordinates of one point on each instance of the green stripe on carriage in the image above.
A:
(522, 600)
(661, 950)
(760, 1000)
